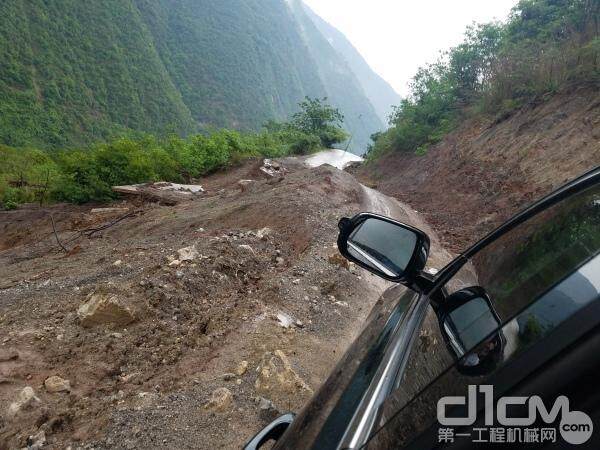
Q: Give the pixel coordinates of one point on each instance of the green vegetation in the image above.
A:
(74, 72)
(316, 125)
(543, 46)
(88, 174)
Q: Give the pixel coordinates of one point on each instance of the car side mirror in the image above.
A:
(392, 250)
(473, 331)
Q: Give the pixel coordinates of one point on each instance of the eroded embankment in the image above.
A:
(486, 170)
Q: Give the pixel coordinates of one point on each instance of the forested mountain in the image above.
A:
(74, 72)
(380, 93)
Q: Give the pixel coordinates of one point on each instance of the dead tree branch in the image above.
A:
(56, 235)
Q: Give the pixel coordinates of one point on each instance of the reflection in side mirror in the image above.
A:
(473, 331)
(383, 246)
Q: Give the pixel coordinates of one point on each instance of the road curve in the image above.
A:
(334, 157)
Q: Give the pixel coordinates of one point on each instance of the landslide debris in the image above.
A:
(162, 330)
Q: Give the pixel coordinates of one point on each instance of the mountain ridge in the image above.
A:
(72, 74)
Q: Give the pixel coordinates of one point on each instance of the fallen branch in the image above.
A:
(91, 231)
(56, 235)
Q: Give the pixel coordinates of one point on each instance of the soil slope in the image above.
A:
(486, 170)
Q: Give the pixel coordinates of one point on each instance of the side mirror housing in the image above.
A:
(390, 249)
(473, 331)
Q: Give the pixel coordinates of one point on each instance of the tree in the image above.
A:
(317, 117)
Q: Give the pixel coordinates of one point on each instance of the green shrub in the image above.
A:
(11, 198)
(83, 175)
(544, 45)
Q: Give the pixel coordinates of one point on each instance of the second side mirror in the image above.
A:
(473, 330)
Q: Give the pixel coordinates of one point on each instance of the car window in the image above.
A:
(406, 419)
(532, 278)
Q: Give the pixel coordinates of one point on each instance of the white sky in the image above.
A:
(398, 36)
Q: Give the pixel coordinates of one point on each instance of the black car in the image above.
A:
(500, 347)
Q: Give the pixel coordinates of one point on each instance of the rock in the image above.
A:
(164, 193)
(37, 441)
(117, 263)
(108, 210)
(275, 375)
(120, 395)
(175, 263)
(55, 384)
(264, 403)
(27, 399)
(245, 185)
(229, 376)
(146, 399)
(279, 261)
(104, 309)
(247, 248)
(180, 188)
(338, 260)
(267, 410)
(220, 400)
(8, 354)
(296, 282)
(328, 287)
(241, 368)
(129, 377)
(272, 169)
(284, 320)
(188, 253)
(263, 233)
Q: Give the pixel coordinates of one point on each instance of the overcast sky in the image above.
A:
(398, 36)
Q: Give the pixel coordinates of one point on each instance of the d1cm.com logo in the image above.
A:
(575, 427)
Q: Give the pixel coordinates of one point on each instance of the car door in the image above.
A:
(542, 282)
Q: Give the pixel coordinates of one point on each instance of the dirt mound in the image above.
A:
(157, 321)
(485, 171)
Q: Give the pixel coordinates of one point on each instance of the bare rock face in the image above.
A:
(55, 384)
(26, 400)
(220, 400)
(104, 309)
(276, 375)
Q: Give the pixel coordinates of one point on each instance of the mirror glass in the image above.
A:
(383, 246)
(470, 323)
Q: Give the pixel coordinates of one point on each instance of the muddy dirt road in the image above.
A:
(187, 326)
